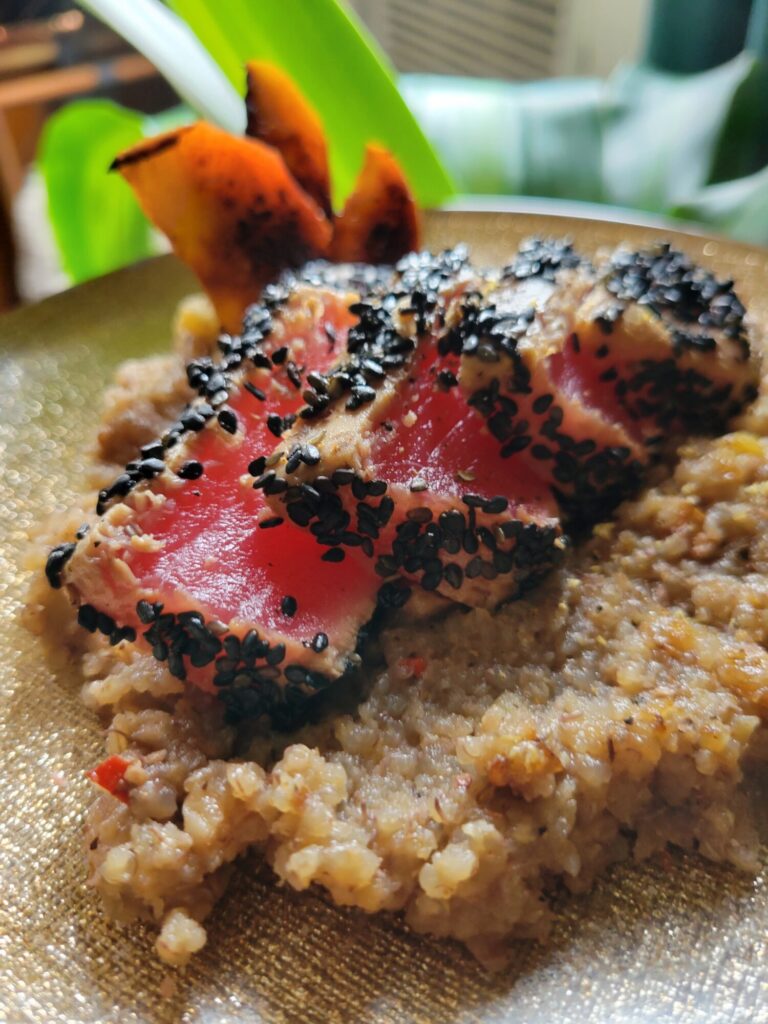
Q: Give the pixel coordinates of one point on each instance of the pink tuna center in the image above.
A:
(215, 558)
(577, 375)
(430, 433)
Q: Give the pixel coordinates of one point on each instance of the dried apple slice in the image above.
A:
(379, 222)
(279, 115)
(230, 208)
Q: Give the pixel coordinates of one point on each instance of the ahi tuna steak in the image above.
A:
(591, 374)
(187, 557)
(372, 431)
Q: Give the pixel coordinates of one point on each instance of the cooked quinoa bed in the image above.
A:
(489, 758)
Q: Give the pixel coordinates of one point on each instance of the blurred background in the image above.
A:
(659, 107)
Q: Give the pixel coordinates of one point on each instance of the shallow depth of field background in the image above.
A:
(652, 106)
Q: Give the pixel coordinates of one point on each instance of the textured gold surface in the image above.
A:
(680, 941)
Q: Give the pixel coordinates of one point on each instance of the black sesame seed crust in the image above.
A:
(476, 552)
(403, 529)
(693, 369)
(252, 676)
(699, 377)
(671, 285)
(255, 672)
(587, 481)
(544, 258)
(378, 347)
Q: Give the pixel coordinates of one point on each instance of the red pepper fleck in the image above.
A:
(110, 776)
(414, 666)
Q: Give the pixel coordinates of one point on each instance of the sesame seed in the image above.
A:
(190, 470)
(227, 420)
(333, 555)
(275, 424)
(419, 515)
(271, 523)
(497, 505)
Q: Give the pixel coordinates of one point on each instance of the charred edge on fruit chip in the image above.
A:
(148, 149)
(374, 346)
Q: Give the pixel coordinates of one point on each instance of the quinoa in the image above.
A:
(487, 760)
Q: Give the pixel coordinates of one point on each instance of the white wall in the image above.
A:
(590, 36)
(596, 34)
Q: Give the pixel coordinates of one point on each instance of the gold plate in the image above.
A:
(680, 940)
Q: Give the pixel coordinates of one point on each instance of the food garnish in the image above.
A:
(238, 210)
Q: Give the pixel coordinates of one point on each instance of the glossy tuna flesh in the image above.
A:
(590, 376)
(668, 344)
(404, 470)
(193, 561)
(424, 437)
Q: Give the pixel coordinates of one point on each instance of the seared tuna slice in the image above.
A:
(512, 338)
(588, 379)
(666, 343)
(188, 557)
(389, 460)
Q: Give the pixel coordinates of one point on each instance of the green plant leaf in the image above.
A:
(737, 208)
(96, 221)
(742, 146)
(178, 54)
(337, 66)
(662, 132)
(542, 139)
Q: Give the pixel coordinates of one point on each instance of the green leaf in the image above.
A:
(340, 70)
(662, 132)
(542, 139)
(96, 221)
(736, 208)
(177, 53)
(742, 147)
